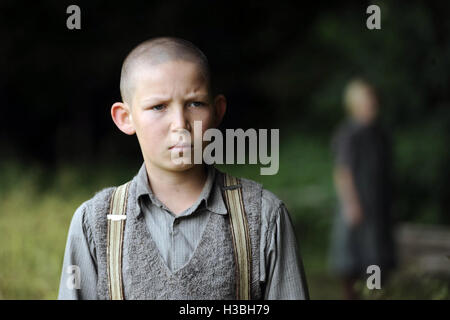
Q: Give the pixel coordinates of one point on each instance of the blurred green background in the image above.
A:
(281, 66)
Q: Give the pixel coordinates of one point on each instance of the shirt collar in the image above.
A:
(211, 193)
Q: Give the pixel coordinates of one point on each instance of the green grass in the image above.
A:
(33, 228)
(36, 207)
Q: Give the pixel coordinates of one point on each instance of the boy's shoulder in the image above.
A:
(96, 207)
(272, 208)
(268, 198)
(89, 213)
(102, 198)
(270, 203)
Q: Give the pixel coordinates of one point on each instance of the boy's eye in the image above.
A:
(196, 104)
(158, 107)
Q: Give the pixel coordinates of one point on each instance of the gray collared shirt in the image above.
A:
(177, 236)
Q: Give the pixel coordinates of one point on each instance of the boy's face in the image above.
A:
(166, 101)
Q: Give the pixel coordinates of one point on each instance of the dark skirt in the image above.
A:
(365, 151)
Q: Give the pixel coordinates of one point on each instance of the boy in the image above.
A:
(177, 238)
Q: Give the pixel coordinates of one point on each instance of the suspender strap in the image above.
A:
(240, 235)
(116, 225)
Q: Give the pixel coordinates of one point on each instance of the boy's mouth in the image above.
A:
(181, 146)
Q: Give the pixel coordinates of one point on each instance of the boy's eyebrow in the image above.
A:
(160, 98)
(154, 99)
(197, 95)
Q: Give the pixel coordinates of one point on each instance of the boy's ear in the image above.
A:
(121, 115)
(220, 106)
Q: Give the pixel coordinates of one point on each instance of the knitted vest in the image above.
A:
(209, 274)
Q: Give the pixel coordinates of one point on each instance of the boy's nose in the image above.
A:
(179, 120)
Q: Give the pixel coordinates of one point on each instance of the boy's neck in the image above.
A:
(178, 190)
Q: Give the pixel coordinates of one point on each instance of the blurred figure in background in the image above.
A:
(362, 230)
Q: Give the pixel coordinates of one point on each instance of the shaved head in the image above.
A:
(157, 51)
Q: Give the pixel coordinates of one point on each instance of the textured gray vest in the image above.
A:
(209, 274)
